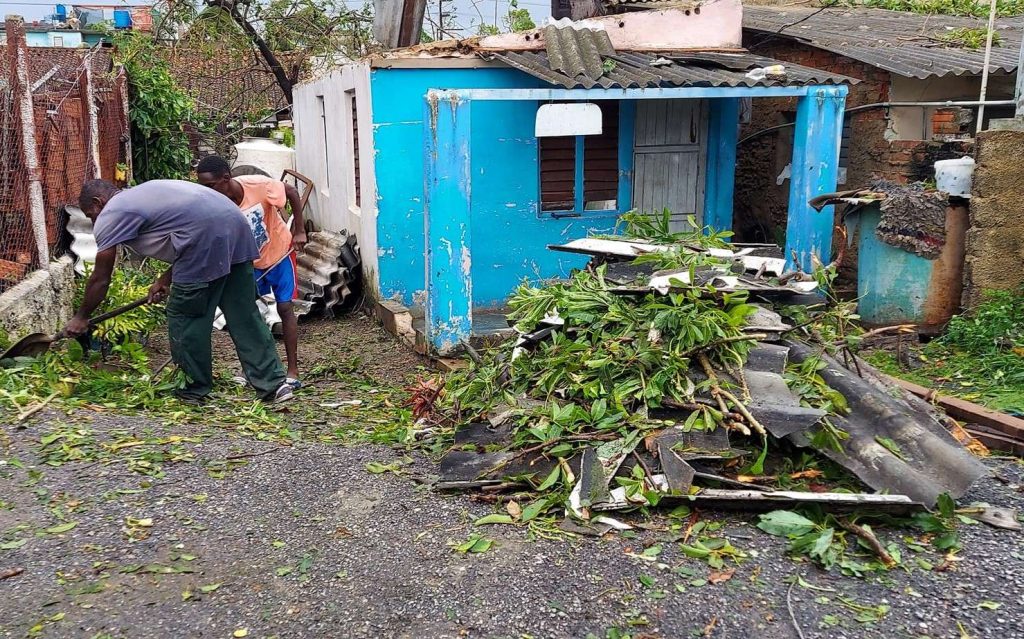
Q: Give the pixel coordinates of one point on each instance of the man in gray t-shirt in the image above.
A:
(210, 248)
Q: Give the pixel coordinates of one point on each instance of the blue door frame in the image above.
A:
(448, 180)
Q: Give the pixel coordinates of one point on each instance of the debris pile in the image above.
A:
(677, 368)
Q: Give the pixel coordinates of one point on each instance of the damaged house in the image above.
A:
(897, 125)
(543, 137)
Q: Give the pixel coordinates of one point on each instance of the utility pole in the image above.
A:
(984, 69)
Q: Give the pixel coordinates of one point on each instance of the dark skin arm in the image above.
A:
(298, 222)
(95, 292)
(161, 288)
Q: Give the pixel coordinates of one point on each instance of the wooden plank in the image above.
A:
(967, 411)
(998, 442)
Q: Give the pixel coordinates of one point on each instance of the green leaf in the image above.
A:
(947, 541)
(481, 545)
(13, 545)
(209, 588)
(990, 605)
(551, 479)
(946, 505)
(284, 570)
(61, 528)
(533, 509)
(696, 551)
(647, 581)
(821, 545)
(494, 519)
(785, 523)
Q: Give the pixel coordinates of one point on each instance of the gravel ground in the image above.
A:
(302, 541)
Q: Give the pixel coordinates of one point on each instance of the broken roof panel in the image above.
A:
(623, 70)
(577, 52)
(907, 44)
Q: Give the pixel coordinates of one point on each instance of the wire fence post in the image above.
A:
(17, 60)
(90, 132)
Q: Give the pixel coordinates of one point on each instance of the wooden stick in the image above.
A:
(35, 409)
(869, 537)
(716, 389)
(751, 420)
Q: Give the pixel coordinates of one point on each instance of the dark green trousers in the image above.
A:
(190, 313)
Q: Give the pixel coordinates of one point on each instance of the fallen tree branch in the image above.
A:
(792, 615)
(869, 537)
(751, 420)
(746, 337)
(32, 410)
(262, 452)
(900, 328)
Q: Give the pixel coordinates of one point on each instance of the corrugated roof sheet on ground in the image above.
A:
(907, 44)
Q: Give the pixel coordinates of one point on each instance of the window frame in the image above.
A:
(579, 208)
(355, 190)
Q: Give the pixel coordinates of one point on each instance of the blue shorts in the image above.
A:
(281, 280)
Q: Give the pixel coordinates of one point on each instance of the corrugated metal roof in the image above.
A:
(907, 44)
(577, 52)
(644, 70)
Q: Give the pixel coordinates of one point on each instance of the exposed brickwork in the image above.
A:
(761, 203)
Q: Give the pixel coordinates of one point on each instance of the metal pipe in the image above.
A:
(889, 105)
(984, 68)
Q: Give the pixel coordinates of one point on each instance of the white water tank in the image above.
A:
(955, 176)
(265, 154)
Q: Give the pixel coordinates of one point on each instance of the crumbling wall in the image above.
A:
(40, 303)
(761, 202)
(870, 150)
(995, 241)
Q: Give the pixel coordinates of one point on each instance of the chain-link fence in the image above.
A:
(63, 120)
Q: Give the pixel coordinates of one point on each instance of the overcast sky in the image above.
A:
(467, 13)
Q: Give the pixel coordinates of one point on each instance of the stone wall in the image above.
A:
(41, 303)
(995, 241)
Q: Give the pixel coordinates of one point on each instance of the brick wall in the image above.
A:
(761, 203)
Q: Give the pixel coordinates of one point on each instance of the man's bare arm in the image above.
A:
(298, 221)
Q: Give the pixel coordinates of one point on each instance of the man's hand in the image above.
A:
(158, 291)
(298, 240)
(76, 326)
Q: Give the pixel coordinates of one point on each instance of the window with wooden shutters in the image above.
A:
(558, 174)
(357, 199)
(601, 162)
(581, 173)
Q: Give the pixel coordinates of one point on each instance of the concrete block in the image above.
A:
(397, 320)
(41, 303)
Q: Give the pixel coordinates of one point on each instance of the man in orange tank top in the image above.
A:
(261, 201)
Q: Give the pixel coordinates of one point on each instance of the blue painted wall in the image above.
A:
(509, 235)
(45, 38)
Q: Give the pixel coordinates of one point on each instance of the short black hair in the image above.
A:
(93, 189)
(214, 165)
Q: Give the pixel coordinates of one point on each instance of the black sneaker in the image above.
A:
(190, 399)
(283, 394)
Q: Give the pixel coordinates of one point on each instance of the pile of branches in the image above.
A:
(594, 368)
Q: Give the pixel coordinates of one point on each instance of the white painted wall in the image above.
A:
(327, 159)
(913, 123)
